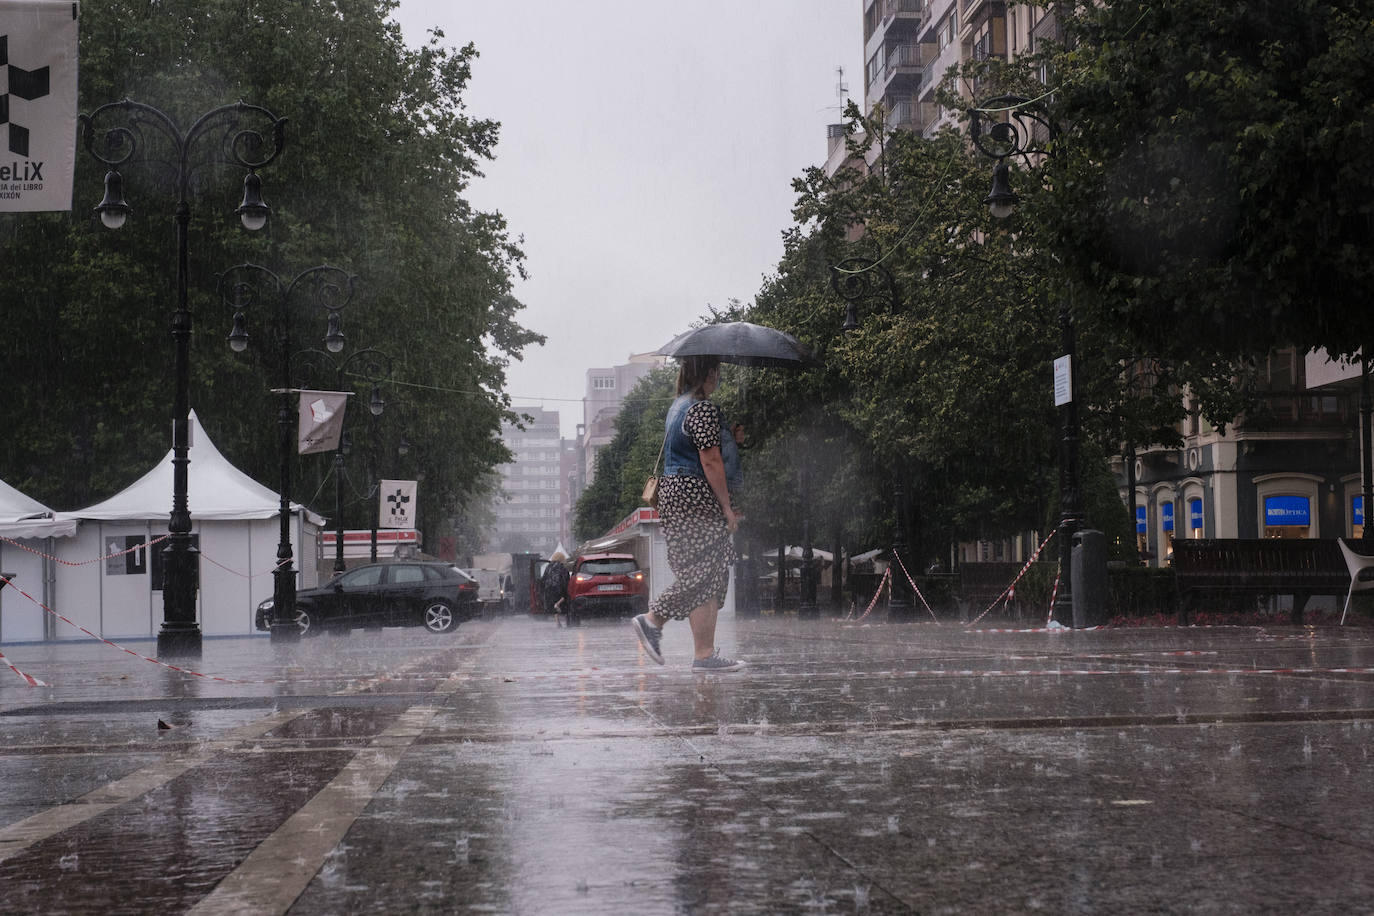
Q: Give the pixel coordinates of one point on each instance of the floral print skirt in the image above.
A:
(700, 550)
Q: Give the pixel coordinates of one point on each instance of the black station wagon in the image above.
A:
(436, 596)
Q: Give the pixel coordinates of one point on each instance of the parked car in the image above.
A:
(608, 583)
(436, 596)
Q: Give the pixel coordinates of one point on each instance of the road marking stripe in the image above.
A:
(282, 866)
(20, 835)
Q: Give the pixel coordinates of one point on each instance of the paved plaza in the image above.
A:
(517, 767)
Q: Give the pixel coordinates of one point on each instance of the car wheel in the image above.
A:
(306, 621)
(438, 617)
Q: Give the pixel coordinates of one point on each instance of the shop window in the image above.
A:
(1195, 517)
(1357, 517)
(1166, 523)
(1287, 517)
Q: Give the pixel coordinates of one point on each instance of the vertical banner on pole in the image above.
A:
(397, 508)
(38, 62)
(320, 423)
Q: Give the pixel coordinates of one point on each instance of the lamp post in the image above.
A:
(243, 288)
(855, 280)
(1029, 131)
(240, 132)
(1366, 459)
(373, 367)
(806, 592)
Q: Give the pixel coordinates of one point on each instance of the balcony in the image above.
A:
(904, 115)
(973, 13)
(987, 46)
(903, 17)
(902, 69)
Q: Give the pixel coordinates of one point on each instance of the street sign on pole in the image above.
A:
(1063, 380)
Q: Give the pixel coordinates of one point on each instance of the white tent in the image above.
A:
(27, 528)
(110, 581)
(795, 553)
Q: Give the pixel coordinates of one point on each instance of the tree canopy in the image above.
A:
(379, 151)
(1215, 185)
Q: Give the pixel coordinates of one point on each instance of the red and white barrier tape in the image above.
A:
(34, 682)
(877, 593)
(1010, 589)
(47, 556)
(28, 678)
(913, 585)
(136, 547)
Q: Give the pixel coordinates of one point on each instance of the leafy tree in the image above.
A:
(1216, 188)
(943, 392)
(378, 155)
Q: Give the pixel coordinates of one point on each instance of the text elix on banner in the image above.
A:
(38, 73)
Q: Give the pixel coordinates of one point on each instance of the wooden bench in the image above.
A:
(1262, 566)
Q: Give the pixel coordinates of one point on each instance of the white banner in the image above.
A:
(321, 421)
(37, 104)
(397, 508)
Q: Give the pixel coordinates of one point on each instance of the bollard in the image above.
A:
(1089, 578)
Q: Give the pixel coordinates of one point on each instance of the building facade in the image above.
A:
(1288, 470)
(605, 393)
(532, 507)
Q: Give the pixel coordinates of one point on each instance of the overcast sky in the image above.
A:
(646, 157)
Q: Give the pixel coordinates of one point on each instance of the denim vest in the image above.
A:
(680, 455)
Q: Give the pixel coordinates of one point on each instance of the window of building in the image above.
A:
(603, 382)
(1287, 516)
(875, 68)
(1142, 530)
(1166, 527)
(1357, 516)
(1195, 517)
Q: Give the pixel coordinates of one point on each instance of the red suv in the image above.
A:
(608, 583)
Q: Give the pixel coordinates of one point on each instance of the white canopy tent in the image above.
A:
(235, 522)
(27, 530)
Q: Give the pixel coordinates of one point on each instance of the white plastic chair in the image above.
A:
(1357, 564)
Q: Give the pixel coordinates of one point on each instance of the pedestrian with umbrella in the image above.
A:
(701, 461)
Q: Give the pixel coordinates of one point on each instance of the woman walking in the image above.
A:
(700, 462)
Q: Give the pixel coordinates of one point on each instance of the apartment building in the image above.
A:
(532, 507)
(605, 393)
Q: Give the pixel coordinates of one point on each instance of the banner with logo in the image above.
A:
(37, 104)
(397, 509)
(321, 421)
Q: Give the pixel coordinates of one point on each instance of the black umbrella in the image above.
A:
(741, 343)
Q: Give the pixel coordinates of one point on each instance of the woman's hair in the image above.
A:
(692, 374)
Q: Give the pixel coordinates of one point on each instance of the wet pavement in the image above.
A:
(516, 767)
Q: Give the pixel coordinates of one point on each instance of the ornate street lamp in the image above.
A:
(1027, 132)
(245, 288)
(251, 137)
(856, 280)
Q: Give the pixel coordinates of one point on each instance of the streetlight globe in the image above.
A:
(238, 337)
(377, 404)
(334, 336)
(1002, 199)
(252, 212)
(113, 209)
